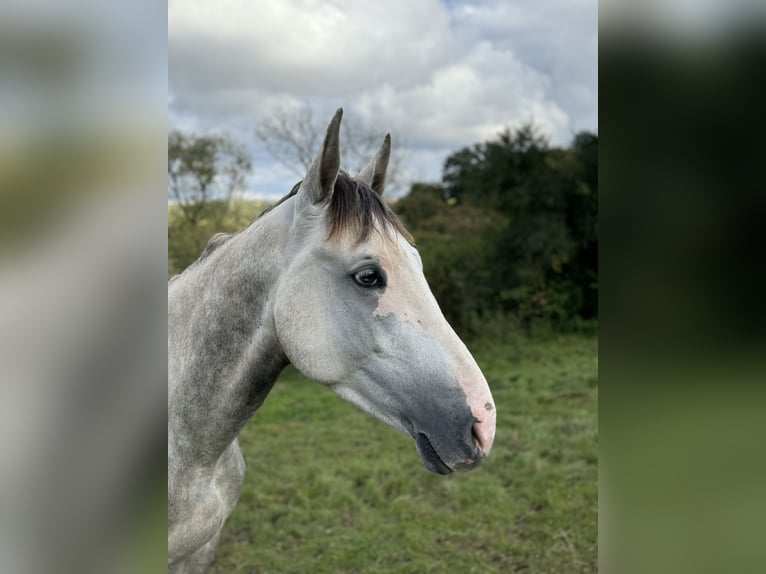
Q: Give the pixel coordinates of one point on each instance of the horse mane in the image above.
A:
(214, 243)
(354, 208)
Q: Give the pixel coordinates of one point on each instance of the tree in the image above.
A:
(293, 135)
(498, 173)
(203, 173)
(546, 254)
(457, 245)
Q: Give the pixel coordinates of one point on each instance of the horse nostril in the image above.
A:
(483, 435)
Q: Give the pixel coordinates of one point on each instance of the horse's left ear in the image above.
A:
(374, 173)
(320, 178)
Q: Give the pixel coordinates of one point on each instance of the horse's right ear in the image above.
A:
(320, 179)
(374, 173)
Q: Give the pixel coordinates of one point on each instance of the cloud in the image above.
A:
(468, 100)
(438, 75)
(556, 38)
(303, 47)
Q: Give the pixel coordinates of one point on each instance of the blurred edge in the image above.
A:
(83, 107)
(682, 302)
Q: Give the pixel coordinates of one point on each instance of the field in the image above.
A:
(329, 489)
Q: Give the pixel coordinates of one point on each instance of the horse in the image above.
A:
(329, 280)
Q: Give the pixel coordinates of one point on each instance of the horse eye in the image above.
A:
(367, 278)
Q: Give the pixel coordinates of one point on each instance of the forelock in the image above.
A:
(356, 210)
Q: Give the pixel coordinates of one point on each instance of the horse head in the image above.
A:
(353, 311)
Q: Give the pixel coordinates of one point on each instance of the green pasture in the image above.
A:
(330, 489)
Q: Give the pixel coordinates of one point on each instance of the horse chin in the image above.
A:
(429, 456)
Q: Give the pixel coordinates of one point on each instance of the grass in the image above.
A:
(329, 489)
(238, 213)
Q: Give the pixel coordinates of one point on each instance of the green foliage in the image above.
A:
(457, 244)
(512, 232)
(203, 172)
(186, 240)
(331, 490)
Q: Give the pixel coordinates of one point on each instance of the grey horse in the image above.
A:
(328, 280)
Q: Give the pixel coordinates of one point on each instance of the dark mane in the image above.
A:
(293, 191)
(356, 209)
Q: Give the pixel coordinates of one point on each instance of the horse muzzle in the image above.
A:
(444, 456)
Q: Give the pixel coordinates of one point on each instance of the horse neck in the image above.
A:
(223, 351)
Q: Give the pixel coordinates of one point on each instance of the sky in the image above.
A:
(438, 75)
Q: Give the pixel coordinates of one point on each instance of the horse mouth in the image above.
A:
(430, 457)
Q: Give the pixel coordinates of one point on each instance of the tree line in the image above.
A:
(508, 235)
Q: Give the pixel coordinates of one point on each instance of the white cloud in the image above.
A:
(304, 47)
(437, 75)
(467, 101)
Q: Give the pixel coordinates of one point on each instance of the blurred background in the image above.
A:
(83, 116)
(681, 314)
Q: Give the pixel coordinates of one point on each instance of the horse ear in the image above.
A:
(320, 178)
(374, 173)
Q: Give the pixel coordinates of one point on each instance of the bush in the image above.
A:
(511, 231)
